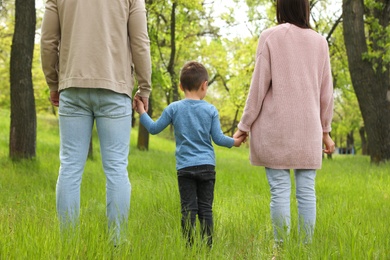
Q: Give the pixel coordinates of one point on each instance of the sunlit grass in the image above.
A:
(353, 207)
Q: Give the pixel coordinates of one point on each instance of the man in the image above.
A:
(90, 51)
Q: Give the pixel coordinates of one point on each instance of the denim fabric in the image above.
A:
(78, 109)
(196, 187)
(280, 187)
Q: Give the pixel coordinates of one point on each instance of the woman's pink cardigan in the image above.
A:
(290, 101)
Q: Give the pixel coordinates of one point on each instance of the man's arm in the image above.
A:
(50, 41)
(140, 49)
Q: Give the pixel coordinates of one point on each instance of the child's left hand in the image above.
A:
(140, 108)
(239, 138)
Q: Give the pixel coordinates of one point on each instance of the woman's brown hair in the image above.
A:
(296, 12)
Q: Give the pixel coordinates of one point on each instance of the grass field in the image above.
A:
(353, 207)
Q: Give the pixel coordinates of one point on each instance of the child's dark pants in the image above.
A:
(196, 187)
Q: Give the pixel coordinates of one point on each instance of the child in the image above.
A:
(195, 122)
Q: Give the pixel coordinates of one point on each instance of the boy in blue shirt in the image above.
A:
(195, 123)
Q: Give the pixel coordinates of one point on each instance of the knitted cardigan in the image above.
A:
(290, 101)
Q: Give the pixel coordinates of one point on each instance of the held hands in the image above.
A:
(140, 104)
(239, 137)
(328, 142)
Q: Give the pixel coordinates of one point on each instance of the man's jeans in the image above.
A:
(196, 187)
(78, 109)
(280, 187)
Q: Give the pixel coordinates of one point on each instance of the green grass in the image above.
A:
(353, 207)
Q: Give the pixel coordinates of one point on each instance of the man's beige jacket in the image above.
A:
(96, 44)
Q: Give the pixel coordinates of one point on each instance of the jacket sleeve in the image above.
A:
(261, 82)
(50, 42)
(140, 46)
(326, 98)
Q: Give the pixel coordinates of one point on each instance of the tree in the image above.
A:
(367, 39)
(23, 116)
(174, 29)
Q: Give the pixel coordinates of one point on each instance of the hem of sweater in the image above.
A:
(179, 167)
(118, 87)
(287, 166)
(243, 127)
(326, 129)
(143, 93)
(53, 87)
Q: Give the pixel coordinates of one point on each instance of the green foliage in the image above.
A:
(41, 91)
(378, 39)
(347, 117)
(229, 59)
(352, 211)
(231, 64)
(174, 39)
(6, 32)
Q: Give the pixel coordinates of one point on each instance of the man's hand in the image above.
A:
(144, 100)
(140, 108)
(55, 98)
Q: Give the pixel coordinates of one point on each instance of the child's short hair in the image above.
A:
(192, 75)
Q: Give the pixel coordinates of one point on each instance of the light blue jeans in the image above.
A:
(78, 109)
(280, 187)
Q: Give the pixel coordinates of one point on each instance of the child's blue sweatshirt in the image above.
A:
(195, 123)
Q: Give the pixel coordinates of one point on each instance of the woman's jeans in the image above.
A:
(280, 187)
(78, 109)
(196, 187)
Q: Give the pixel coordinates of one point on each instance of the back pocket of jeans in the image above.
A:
(69, 102)
(114, 104)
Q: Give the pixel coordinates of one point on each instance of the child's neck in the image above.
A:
(193, 95)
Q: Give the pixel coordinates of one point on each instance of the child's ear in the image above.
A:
(181, 87)
(204, 85)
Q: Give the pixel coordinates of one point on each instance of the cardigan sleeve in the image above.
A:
(326, 98)
(261, 82)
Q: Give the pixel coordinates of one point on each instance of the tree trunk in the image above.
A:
(350, 143)
(372, 86)
(143, 134)
(90, 150)
(171, 64)
(22, 143)
(234, 124)
(362, 134)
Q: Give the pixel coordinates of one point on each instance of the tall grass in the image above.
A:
(353, 207)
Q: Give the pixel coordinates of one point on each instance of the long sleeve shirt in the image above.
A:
(196, 124)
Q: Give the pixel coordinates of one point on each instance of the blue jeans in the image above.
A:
(196, 187)
(280, 187)
(78, 109)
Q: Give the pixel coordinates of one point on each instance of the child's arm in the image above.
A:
(217, 135)
(148, 123)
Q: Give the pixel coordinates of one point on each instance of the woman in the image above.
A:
(288, 113)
